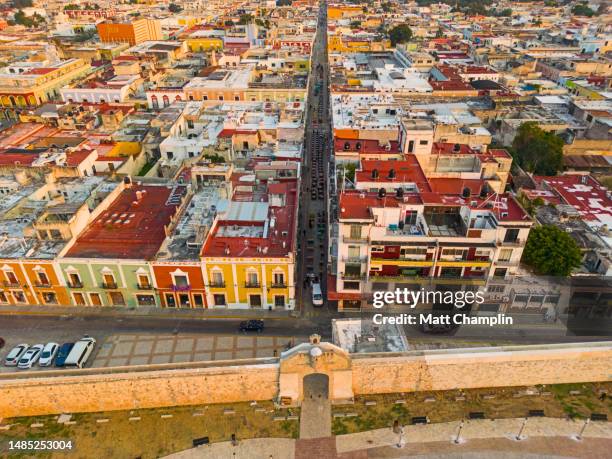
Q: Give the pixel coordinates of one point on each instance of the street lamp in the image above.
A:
(457, 439)
(520, 436)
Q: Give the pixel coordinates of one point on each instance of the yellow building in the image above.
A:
(343, 11)
(32, 84)
(203, 44)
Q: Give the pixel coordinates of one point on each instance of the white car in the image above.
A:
(13, 357)
(30, 357)
(48, 354)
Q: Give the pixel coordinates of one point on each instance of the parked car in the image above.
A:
(80, 352)
(252, 325)
(30, 357)
(62, 353)
(48, 354)
(15, 354)
(317, 295)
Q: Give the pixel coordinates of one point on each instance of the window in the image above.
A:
(143, 281)
(255, 301)
(116, 299)
(511, 235)
(11, 278)
(180, 281)
(108, 281)
(217, 279)
(279, 279)
(145, 300)
(347, 146)
(79, 299)
(252, 279)
(496, 288)
(353, 251)
(170, 300)
(423, 142)
(500, 272)
(355, 231)
(505, 255)
(411, 146)
(49, 298)
(96, 299)
(42, 278)
(19, 297)
(279, 301)
(184, 301)
(3, 298)
(74, 280)
(198, 300)
(190, 124)
(351, 285)
(219, 299)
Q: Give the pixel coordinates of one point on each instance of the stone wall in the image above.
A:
(126, 391)
(202, 383)
(490, 367)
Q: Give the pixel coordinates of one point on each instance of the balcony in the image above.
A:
(514, 243)
(181, 288)
(360, 259)
(352, 276)
(144, 286)
(252, 284)
(42, 284)
(217, 284)
(109, 285)
(10, 284)
(75, 284)
(279, 285)
(353, 240)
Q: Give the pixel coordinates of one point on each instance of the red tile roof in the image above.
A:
(583, 192)
(130, 228)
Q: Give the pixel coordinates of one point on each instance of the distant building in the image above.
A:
(133, 32)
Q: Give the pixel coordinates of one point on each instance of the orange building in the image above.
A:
(26, 282)
(180, 284)
(129, 32)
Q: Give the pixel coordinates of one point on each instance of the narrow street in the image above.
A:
(312, 239)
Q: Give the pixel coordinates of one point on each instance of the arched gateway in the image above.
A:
(315, 369)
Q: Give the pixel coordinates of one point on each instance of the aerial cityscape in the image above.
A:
(305, 229)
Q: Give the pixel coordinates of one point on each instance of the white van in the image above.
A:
(317, 296)
(80, 352)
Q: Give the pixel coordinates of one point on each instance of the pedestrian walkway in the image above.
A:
(145, 349)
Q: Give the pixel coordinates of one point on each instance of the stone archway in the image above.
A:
(307, 366)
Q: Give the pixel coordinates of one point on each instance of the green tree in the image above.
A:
(71, 6)
(537, 151)
(551, 251)
(246, 19)
(174, 8)
(400, 34)
(583, 10)
(355, 24)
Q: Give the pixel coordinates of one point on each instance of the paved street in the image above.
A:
(143, 349)
(312, 257)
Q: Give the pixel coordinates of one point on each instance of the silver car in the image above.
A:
(48, 354)
(30, 357)
(15, 354)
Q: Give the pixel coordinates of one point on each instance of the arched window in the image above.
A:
(166, 101)
(347, 146)
(154, 102)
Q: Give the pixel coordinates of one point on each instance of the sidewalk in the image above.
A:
(149, 312)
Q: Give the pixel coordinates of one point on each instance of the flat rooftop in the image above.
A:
(133, 226)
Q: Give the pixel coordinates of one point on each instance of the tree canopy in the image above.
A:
(174, 8)
(22, 3)
(551, 251)
(583, 10)
(400, 34)
(537, 151)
